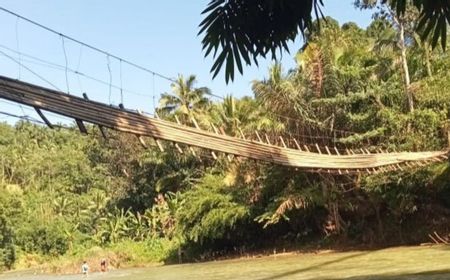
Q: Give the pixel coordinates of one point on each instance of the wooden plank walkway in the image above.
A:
(140, 125)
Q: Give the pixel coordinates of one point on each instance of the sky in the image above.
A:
(158, 35)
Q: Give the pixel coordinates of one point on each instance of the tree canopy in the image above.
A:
(241, 31)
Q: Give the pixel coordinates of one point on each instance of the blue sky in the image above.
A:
(159, 35)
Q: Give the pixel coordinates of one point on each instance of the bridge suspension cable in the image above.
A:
(145, 69)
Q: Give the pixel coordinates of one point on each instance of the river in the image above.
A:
(418, 263)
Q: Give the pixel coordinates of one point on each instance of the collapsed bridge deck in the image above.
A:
(135, 123)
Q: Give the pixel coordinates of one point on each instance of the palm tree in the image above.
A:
(311, 62)
(97, 207)
(161, 217)
(286, 95)
(244, 114)
(227, 115)
(185, 100)
(279, 92)
(61, 205)
(116, 226)
(98, 203)
(138, 226)
(70, 234)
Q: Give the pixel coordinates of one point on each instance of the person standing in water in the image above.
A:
(85, 269)
(103, 265)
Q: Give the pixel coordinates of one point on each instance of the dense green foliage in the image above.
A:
(64, 194)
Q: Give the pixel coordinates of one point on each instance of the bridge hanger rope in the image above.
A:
(59, 67)
(80, 54)
(30, 70)
(32, 120)
(25, 115)
(121, 82)
(108, 64)
(66, 64)
(17, 44)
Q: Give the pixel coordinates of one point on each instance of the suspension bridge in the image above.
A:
(127, 121)
(286, 152)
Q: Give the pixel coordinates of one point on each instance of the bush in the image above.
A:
(211, 210)
(7, 250)
(123, 254)
(43, 239)
(131, 253)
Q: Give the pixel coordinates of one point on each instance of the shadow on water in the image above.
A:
(313, 267)
(428, 275)
(443, 247)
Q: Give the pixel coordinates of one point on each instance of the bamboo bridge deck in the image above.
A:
(132, 122)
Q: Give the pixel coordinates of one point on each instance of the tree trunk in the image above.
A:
(448, 138)
(405, 66)
(426, 48)
(426, 53)
(380, 227)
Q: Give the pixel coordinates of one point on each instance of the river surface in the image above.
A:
(255, 268)
(419, 263)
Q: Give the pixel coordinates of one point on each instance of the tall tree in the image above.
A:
(184, 100)
(400, 21)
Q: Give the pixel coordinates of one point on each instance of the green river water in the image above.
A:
(418, 263)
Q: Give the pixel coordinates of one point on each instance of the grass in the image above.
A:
(401, 263)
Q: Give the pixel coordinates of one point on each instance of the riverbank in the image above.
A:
(126, 254)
